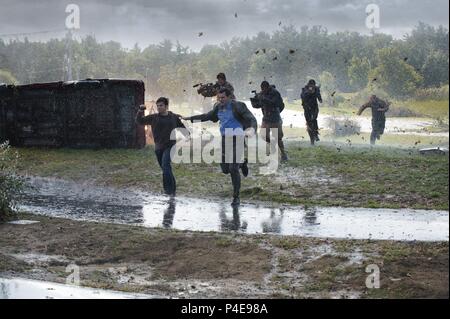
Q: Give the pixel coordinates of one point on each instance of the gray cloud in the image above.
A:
(145, 22)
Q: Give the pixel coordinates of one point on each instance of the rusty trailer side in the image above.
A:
(80, 114)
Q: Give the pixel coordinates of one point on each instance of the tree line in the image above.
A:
(341, 62)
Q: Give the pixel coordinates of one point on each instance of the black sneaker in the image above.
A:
(317, 138)
(284, 158)
(244, 168)
(236, 201)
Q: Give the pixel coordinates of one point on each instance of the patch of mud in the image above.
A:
(36, 259)
(23, 222)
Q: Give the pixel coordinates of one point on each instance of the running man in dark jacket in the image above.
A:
(310, 95)
(379, 109)
(236, 121)
(163, 123)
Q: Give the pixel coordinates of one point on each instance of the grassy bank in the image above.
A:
(210, 265)
(329, 175)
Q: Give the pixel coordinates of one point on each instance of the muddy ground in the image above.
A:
(179, 264)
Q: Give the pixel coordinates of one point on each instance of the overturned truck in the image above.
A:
(79, 114)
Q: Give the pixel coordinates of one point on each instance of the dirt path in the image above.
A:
(210, 265)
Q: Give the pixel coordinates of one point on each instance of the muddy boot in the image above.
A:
(312, 138)
(373, 138)
(244, 168)
(236, 201)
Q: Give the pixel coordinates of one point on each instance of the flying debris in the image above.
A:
(275, 58)
(257, 52)
(292, 51)
(250, 83)
(375, 79)
(264, 51)
(279, 24)
(235, 15)
(200, 34)
(406, 59)
(333, 94)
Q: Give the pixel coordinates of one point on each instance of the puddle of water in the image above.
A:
(70, 200)
(23, 222)
(31, 289)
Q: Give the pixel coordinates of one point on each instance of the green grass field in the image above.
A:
(426, 109)
(328, 175)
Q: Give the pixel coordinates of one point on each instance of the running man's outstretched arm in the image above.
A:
(362, 108)
(319, 95)
(144, 120)
(210, 116)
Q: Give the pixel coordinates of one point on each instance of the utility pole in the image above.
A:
(68, 57)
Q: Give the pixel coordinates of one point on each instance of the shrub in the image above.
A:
(437, 94)
(10, 184)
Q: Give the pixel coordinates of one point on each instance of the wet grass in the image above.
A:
(334, 174)
(430, 108)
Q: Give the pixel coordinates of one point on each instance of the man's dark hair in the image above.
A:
(225, 91)
(265, 84)
(163, 100)
(311, 82)
(221, 76)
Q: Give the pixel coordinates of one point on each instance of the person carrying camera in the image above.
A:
(310, 95)
(222, 83)
(271, 103)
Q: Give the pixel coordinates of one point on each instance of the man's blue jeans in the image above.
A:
(169, 183)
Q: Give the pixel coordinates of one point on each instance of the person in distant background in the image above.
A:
(310, 95)
(222, 83)
(379, 109)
